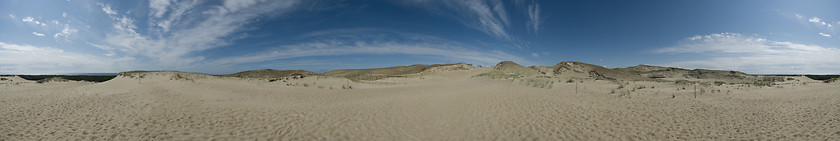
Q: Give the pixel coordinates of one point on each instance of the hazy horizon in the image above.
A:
(224, 37)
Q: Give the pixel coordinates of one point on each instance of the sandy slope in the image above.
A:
(436, 106)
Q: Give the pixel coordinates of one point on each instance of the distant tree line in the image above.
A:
(91, 78)
(822, 77)
(815, 77)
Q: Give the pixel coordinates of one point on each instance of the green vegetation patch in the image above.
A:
(500, 75)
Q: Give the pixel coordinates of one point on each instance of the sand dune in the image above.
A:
(443, 102)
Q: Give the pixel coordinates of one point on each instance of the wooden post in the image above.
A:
(695, 90)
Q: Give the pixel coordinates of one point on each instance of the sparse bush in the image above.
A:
(718, 83)
(570, 81)
(550, 84)
(684, 82)
(500, 75)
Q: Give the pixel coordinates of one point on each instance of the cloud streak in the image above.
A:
(38, 34)
(209, 28)
(28, 19)
(820, 22)
(352, 42)
(488, 16)
(27, 59)
(754, 55)
(107, 9)
(534, 18)
(65, 33)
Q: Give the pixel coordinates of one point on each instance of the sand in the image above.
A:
(443, 105)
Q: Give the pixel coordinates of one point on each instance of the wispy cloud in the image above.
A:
(488, 16)
(28, 19)
(206, 29)
(814, 20)
(534, 17)
(107, 9)
(28, 59)
(38, 34)
(158, 7)
(12, 16)
(65, 33)
(818, 21)
(352, 42)
(754, 55)
(825, 35)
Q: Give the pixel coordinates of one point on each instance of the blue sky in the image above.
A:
(222, 37)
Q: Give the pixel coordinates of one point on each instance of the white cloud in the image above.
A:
(12, 16)
(108, 49)
(814, 20)
(159, 7)
(825, 35)
(103, 47)
(332, 49)
(65, 33)
(825, 25)
(207, 29)
(64, 14)
(38, 34)
(534, 17)
(27, 19)
(26, 59)
(798, 16)
(371, 42)
(535, 55)
(486, 16)
(107, 9)
(236, 5)
(176, 14)
(499, 8)
(732, 51)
